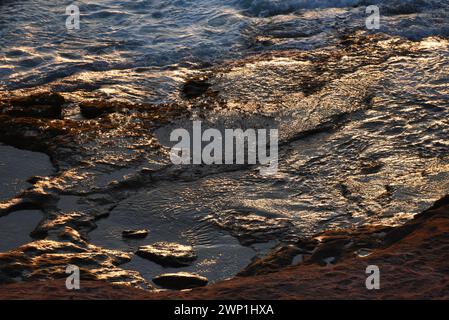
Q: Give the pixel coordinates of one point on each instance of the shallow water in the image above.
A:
(16, 166)
(363, 126)
(15, 228)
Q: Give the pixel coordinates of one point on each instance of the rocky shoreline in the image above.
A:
(413, 260)
(346, 134)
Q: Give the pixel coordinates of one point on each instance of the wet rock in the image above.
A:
(195, 88)
(30, 133)
(71, 235)
(101, 199)
(180, 280)
(135, 234)
(57, 222)
(250, 228)
(281, 256)
(37, 111)
(371, 167)
(43, 98)
(330, 251)
(47, 259)
(95, 109)
(168, 254)
(38, 105)
(28, 200)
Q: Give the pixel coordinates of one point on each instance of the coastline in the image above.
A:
(349, 159)
(134, 142)
(412, 258)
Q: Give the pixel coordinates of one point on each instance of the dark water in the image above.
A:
(16, 166)
(383, 158)
(140, 49)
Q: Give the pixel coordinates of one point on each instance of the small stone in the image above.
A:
(363, 253)
(168, 254)
(135, 234)
(180, 280)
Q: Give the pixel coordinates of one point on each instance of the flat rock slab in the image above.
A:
(168, 254)
(180, 280)
(135, 234)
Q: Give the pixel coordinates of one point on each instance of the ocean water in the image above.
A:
(128, 38)
(378, 155)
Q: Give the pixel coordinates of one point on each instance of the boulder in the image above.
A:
(180, 280)
(168, 254)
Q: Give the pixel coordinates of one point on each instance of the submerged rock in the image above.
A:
(135, 234)
(280, 257)
(195, 88)
(168, 254)
(58, 222)
(91, 110)
(250, 228)
(180, 280)
(38, 105)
